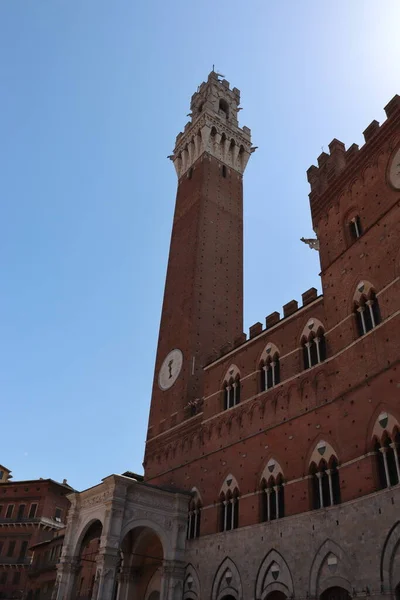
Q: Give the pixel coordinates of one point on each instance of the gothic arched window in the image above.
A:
(367, 312)
(387, 452)
(231, 388)
(223, 108)
(325, 483)
(270, 372)
(272, 499)
(229, 505)
(229, 510)
(314, 348)
(194, 517)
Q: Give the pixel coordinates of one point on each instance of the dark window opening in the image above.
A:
(355, 228)
(224, 171)
(21, 511)
(223, 108)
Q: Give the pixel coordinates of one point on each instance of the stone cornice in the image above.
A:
(209, 133)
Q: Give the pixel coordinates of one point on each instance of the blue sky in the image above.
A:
(93, 94)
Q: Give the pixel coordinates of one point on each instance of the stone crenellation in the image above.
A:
(270, 321)
(339, 163)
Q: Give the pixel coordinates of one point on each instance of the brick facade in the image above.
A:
(30, 512)
(334, 412)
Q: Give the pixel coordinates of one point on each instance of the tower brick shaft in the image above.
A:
(203, 298)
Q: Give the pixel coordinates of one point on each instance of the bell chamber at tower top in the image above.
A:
(213, 128)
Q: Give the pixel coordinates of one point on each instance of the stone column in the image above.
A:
(106, 576)
(128, 582)
(66, 577)
(173, 573)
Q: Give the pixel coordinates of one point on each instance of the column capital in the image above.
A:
(319, 474)
(174, 568)
(383, 449)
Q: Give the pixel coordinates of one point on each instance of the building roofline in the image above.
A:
(49, 480)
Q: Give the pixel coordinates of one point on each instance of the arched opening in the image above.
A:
(314, 348)
(270, 373)
(325, 483)
(231, 392)
(194, 517)
(355, 228)
(335, 593)
(367, 312)
(142, 557)
(87, 564)
(276, 595)
(223, 108)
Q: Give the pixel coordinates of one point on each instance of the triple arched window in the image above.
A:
(325, 483)
(231, 388)
(272, 492)
(270, 372)
(324, 476)
(194, 517)
(313, 343)
(229, 505)
(366, 308)
(387, 457)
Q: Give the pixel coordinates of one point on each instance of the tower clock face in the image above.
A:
(394, 170)
(170, 369)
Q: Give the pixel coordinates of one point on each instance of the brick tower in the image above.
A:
(203, 298)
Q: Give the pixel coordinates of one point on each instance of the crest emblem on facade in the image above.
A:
(321, 448)
(275, 571)
(383, 420)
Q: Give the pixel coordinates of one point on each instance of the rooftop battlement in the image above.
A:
(271, 321)
(339, 162)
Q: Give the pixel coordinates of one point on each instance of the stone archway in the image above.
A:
(276, 595)
(86, 567)
(141, 568)
(335, 593)
(227, 584)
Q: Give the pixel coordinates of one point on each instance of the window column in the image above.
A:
(273, 363)
(234, 385)
(268, 492)
(265, 369)
(189, 531)
(276, 488)
(308, 346)
(360, 310)
(393, 445)
(317, 339)
(384, 450)
(228, 396)
(234, 507)
(329, 473)
(371, 312)
(321, 497)
(225, 504)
